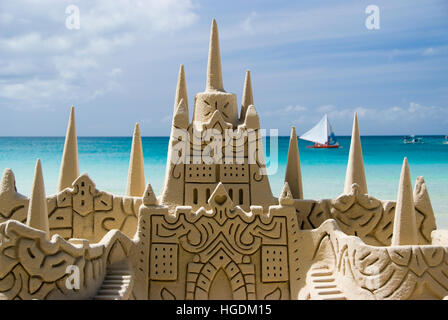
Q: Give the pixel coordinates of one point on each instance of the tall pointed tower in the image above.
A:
(248, 98)
(37, 210)
(222, 158)
(69, 166)
(293, 174)
(355, 167)
(181, 89)
(136, 173)
(405, 222)
(215, 100)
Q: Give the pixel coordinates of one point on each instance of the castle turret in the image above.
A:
(293, 174)
(136, 174)
(37, 211)
(215, 98)
(13, 205)
(180, 118)
(8, 183)
(149, 198)
(69, 166)
(252, 120)
(191, 182)
(174, 183)
(214, 69)
(248, 98)
(421, 198)
(286, 197)
(423, 205)
(181, 89)
(355, 167)
(405, 222)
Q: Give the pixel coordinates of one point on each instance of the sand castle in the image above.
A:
(216, 231)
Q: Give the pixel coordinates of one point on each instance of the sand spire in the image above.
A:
(248, 98)
(423, 206)
(286, 198)
(8, 182)
(405, 223)
(136, 174)
(214, 71)
(149, 197)
(69, 166)
(180, 118)
(355, 167)
(293, 174)
(37, 211)
(252, 120)
(421, 197)
(181, 89)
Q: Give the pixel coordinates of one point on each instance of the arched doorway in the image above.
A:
(220, 287)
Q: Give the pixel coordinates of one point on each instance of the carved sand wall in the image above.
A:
(364, 216)
(84, 212)
(31, 267)
(78, 212)
(217, 252)
(347, 267)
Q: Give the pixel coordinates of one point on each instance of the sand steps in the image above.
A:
(323, 284)
(116, 285)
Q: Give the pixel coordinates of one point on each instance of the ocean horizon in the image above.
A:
(106, 160)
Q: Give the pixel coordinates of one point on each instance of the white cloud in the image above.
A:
(286, 111)
(292, 109)
(49, 63)
(34, 93)
(412, 116)
(395, 119)
(115, 72)
(429, 52)
(148, 15)
(23, 42)
(6, 18)
(247, 24)
(326, 108)
(15, 68)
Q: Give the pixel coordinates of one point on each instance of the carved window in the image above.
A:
(195, 196)
(274, 264)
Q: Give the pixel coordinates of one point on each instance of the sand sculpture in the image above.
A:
(216, 231)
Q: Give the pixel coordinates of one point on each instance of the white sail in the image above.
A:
(319, 133)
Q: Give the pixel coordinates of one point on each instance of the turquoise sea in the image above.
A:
(105, 159)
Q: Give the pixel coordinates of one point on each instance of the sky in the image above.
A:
(307, 58)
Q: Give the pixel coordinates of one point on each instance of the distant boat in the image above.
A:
(322, 135)
(446, 140)
(412, 140)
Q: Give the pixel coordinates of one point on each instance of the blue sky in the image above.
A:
(307, 58)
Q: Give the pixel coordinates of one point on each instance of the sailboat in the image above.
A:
(322, 135)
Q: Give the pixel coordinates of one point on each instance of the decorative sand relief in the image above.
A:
(78, 212)
(33, 267)
(216, 231)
